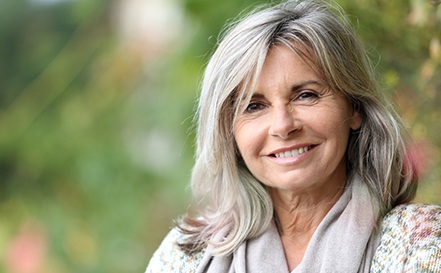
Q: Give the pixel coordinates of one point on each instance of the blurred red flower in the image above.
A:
(27, 251)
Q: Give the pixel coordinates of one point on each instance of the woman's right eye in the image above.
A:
(253, 107)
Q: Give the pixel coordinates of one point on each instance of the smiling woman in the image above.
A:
(293, 134)
(293, 138)
(297, 146)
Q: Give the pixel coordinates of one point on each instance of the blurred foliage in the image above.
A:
(96, 140)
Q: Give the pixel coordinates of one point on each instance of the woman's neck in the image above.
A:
(297, 218)
(300, 214)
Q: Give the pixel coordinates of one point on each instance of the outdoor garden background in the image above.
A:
(96, 107)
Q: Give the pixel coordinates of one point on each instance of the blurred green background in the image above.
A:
(96, 103)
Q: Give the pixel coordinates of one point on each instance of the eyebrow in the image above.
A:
(301, 85)
(294, 89)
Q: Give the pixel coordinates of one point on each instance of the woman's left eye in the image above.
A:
(307, 96)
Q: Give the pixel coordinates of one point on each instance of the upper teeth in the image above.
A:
(292, 153)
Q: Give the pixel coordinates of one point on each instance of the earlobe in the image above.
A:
(355, 121)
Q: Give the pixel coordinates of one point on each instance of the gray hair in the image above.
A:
(227, 193)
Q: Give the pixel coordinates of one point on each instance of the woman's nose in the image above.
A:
(283, 122)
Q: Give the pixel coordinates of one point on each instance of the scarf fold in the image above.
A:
(345, 241)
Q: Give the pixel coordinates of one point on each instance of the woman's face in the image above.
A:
(293, 134)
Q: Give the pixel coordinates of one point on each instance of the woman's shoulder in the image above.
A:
(415, 221)
(170, 258)
(410, 240)
(412, 216)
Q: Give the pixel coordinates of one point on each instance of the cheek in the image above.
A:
(248, 139)
(239, 137)
(333, 125)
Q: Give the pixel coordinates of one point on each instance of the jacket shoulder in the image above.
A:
(410, 240)
(170, 258)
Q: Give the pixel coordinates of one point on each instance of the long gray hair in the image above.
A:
(227, 195)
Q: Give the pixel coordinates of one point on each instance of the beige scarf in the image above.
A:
(344, 242)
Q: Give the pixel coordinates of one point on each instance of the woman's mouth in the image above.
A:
(293, 152)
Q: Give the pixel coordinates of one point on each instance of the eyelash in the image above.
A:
(310, 95)
(255, 106)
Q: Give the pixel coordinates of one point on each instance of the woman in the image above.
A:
(300, 162)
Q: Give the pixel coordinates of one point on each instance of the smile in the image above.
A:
(292, 153)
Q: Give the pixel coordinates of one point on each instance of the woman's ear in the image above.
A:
(356, 119)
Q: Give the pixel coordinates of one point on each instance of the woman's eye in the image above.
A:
(253, 107)
(307, 96)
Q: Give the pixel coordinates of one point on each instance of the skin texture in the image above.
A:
(290, 109)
